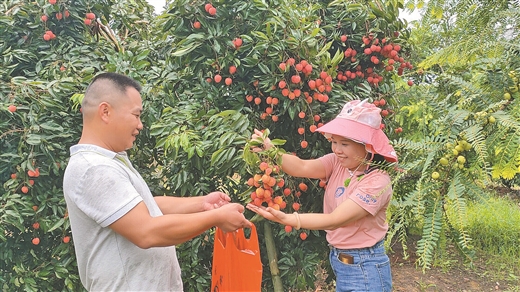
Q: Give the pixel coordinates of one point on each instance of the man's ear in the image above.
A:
(104, 111)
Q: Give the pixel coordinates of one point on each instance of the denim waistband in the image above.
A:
(371, 249)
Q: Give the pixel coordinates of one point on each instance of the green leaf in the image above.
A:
(33, 139)
(59, 223)
(186, 50)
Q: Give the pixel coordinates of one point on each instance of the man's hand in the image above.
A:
(232, 218)
(215, 200)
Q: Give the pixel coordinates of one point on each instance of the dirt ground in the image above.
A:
(456, 277)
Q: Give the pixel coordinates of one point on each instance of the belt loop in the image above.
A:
(376, 246)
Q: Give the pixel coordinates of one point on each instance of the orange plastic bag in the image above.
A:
(236, 262)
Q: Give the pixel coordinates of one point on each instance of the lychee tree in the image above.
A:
(49, 54)
(276, 65)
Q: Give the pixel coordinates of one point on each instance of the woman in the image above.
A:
(356, 198)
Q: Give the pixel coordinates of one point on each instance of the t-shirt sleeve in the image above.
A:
(328, 162)
(373, 192)
(106, 194)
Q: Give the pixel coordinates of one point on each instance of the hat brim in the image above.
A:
(375, 140)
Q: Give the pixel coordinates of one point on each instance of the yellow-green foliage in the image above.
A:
(494, 226)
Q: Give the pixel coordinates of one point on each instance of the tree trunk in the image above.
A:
(273, 258)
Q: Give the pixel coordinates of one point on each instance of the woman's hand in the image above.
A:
(269, 213)
(265, 142)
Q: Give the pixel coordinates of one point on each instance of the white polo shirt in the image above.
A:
(101, 186)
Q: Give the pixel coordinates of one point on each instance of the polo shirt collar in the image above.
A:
(94, 148)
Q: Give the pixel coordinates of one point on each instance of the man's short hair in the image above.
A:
(122, 82)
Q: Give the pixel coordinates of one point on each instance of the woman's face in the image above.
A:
(350, 154)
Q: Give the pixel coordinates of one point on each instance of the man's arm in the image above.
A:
(145, 231)
(179, 205)
(187, 205)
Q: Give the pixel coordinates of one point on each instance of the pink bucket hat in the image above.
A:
(361, 122)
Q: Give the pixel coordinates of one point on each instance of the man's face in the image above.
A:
(126, 120)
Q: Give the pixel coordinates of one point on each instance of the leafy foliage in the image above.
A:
(38, 123)
(197, 123)
(466, 105)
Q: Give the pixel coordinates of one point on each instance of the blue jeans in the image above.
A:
(369, 270)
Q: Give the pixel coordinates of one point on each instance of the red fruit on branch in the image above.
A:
(312, 84)
(237, 42)
(295, 79)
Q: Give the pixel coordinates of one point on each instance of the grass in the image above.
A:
(494, 226)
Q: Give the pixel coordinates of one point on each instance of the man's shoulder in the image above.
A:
(84, 158)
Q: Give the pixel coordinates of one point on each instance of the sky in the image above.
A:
(159, 4)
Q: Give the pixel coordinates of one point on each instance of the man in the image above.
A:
(124, 237)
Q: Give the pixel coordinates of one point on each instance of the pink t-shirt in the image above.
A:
(371, 191)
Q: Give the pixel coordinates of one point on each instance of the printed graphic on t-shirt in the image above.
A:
(368, 199)
(339, 192)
